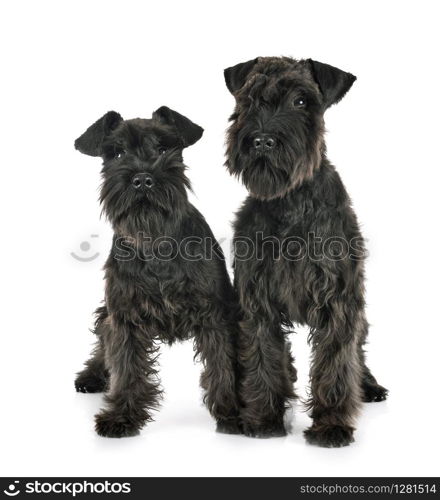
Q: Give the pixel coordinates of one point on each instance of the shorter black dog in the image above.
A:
(166, 278)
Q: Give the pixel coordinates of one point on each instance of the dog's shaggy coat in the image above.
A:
(161, 282)
(275, 144)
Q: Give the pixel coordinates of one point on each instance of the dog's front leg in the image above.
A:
(216, 344)
(335, 375)
(266, 377)
(130, 354)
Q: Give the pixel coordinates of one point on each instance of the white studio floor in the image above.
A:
(55, 436)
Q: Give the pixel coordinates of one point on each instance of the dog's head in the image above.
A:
(143, 171)
(275, 141)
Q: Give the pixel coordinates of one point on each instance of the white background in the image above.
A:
(64, 64)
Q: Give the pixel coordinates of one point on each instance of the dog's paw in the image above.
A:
(333, 436)
(230, 426)
(89, 382)
(373, 392)
(264, 431)
(115, 426)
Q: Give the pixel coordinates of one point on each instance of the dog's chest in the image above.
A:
(281, 261)
(157, 291)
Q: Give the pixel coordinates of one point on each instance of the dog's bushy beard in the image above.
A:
(152, 211)
(273, 174)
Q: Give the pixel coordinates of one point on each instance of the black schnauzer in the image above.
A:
(275, 145)
(166, 278)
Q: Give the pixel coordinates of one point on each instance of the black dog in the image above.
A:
(275, 145)
(166, 278)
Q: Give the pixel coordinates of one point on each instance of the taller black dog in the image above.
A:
(165, 277)
(289, 266)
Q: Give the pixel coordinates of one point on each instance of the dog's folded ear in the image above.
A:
(333, 82)
(188, 131)
(235, 76)
(90, 143)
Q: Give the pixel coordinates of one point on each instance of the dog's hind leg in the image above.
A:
(215, 343)
(130, 354)
(94, 377)
(371, 390)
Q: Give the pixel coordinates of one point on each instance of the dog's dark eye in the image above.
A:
(120, 153)
(300, 102)
(162, 150)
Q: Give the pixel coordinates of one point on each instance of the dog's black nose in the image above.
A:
(143, 180)
(263, 142)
